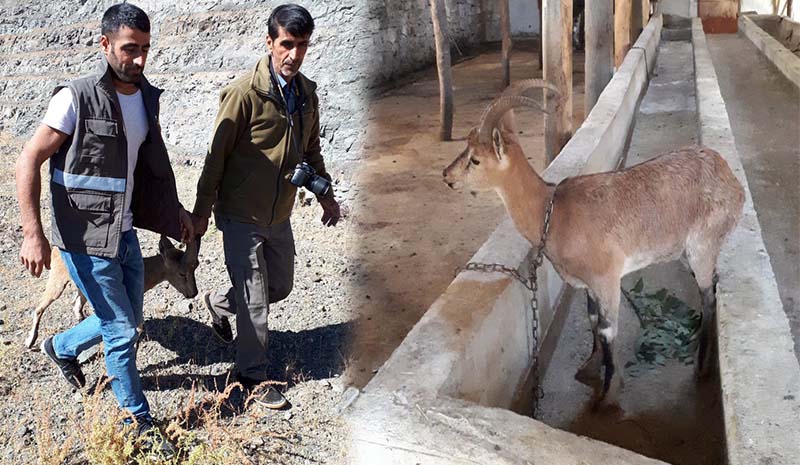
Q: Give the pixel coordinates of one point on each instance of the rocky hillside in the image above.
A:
(200, 45)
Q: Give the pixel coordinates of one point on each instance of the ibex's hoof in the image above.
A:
(702, 373)
(609, 410)
(30, 342)
(587, 376)
(608, 407)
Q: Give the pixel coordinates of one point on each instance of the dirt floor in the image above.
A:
(413, 231)
(764, 109)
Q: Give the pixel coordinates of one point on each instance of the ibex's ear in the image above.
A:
(165, 245)
(498, 144)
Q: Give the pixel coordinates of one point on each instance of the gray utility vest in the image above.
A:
(88, 174)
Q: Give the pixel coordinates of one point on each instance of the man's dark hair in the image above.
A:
(294, 18)
(124, 14)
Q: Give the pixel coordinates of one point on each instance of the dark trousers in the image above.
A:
(260, 264)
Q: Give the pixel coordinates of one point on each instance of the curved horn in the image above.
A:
(492, 114)
(520, 87)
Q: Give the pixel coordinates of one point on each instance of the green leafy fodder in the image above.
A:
(669, 328)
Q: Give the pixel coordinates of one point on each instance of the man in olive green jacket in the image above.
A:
(268, 123)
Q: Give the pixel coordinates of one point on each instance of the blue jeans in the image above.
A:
(115, 289)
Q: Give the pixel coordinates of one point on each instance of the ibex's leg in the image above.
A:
(607, 330)
(77, 305)
(53, 290)
(704, 352)
(589, 373)
(702, 258)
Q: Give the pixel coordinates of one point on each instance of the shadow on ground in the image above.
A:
(295, 356)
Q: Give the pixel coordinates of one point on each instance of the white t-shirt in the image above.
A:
(61, 116)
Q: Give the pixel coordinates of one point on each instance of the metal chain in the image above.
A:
(531, 283)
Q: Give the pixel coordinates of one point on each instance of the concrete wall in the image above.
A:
(201, 45)
(475, 343)
(677, 8)
(524, 17)
(778, 38)
(770, 7)
(400, 34)
(759, 373)
(400, 430)
(766, 7)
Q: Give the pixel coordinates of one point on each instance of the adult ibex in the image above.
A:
(171, 265)
(603, 226)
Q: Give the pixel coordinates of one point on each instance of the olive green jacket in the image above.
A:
(254, 149)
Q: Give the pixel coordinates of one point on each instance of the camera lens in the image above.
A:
(319, 185)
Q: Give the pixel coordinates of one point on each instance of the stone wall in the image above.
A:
(200, 45)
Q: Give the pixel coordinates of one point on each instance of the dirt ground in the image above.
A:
(308, 334)
(413, 231)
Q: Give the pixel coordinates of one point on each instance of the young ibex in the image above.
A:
(171, 264)
(606, 225)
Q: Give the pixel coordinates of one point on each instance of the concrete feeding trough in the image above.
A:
(778, 37)
(447, 393)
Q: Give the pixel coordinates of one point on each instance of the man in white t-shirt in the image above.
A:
(109, 171)
(61, 116)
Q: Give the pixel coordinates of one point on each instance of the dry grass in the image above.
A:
(212, 434)
(49, 451)
(198, 428)
(104, 442)
(206, 431)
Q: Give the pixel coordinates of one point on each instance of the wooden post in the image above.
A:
(645, 13)
(599, 48)
(622, 30)
(541, 35)
(505, 32)
(557, 49)
(439, 17)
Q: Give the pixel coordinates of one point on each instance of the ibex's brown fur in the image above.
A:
(172, 265)
(606, 225)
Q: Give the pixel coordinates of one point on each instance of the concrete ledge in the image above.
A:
(432, 431)
(759, 373)
(786, 61)
(475, 345)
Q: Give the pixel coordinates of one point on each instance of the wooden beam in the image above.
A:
(622, 30)
(599, 49)
(505, 32)
(557, 50)
(541, 35)
(441, 37)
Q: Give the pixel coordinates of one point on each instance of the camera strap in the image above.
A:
(298, 108)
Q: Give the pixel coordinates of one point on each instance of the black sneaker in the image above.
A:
(263, 394)
(70, 369)
(149, 440)
(219, 324)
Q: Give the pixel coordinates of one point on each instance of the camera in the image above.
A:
(305, 176)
